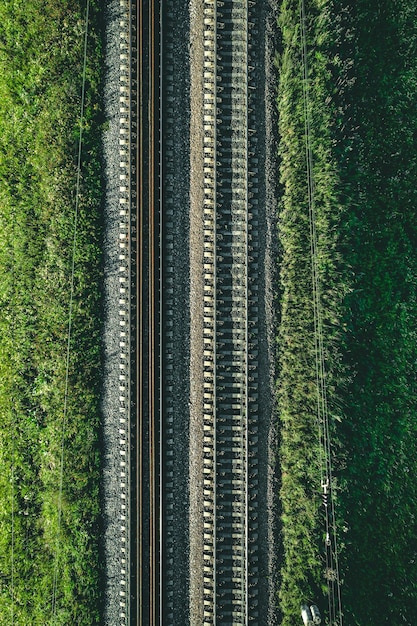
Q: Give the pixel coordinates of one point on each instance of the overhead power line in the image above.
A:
(323, 421)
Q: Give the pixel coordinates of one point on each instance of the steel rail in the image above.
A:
(127, 473)
(246, 550)
(161, 320)
(239, 303)
(215, 318)
(210, 272)
(149, 348)
(139, 319)
(151, 322)
(167, 442)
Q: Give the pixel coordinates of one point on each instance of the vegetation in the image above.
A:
(41, 56)
(302, 516)
(362, 95)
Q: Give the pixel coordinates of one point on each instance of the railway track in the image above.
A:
(140, 312)
(126, 341)
(153, 452)
(230, 317)
(171, 467)
(145, 537)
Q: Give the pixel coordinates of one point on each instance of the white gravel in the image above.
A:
(196, 311)
(110, 401)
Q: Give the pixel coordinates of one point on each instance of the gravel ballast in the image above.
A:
(176, 322)
(110, 403)
(196, 311)
(182, 369)
(262, 55)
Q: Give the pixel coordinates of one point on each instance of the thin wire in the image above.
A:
(322, 403)
(13, 342)
(74, 245)
(313, 251)
(315, 286)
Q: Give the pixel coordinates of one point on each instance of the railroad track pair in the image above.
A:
(229, 415)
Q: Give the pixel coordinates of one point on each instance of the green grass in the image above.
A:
(378, 167)
(41, 46)
(302, 572)
(363, 90)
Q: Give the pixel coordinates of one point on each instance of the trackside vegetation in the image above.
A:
(362, 93)
(49, 562)
(303, 571)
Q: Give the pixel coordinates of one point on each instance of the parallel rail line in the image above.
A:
(168, 569)
(140, 302)
(126, 202)
(146, 537)
(230, 389)
(229, 419)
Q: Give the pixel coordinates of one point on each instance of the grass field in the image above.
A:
(362, 90)
(49, 529)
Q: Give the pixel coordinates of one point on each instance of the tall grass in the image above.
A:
(40, 85)
(362, 90)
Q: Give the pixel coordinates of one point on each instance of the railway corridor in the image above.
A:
(230, 305)
(194, 484)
